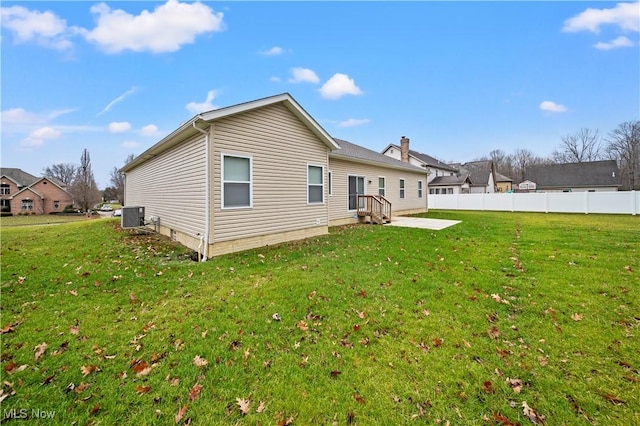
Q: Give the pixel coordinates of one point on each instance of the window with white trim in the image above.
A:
(5, 189)
(315, 184)
(27, 204)
(419, 189)
(381, 185)
(236, 182)
(401, 188)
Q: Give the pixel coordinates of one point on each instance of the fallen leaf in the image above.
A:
(141, 390)
(73, 292)
(88, 369)
(198, 361)
(195, 391)
(181, 412)
(502, 420)
(7, 329)
(49, 379)
(350, 417)
(531, 414)
(74, 329)
(516, 384)
(437, 342)
(577, 317)
(81, 387)
(40, 349)
(487, 387)
(243, 405)
(302, 325)
(261, 407)
(141, 368)
(613, 399)
(493, 332)
(335, 373)
(132, 297)
(358, 398)
(312, 295)
(63, 347)
(95, 410)
(10, 366)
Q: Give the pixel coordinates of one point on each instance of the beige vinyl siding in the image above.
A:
(338, 208)
(172, 187)
(281, 148)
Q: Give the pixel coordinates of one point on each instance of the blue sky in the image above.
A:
(458, 78)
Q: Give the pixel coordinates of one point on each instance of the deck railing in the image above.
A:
(377, 207)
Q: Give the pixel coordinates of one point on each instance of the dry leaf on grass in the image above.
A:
(198, 361)
(40, 350)
(88, 369)
(141, 390)
(531, 414)
(243, 405)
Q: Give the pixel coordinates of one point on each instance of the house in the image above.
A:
(473, 177)
(260, 173)
(21, 192)
(503, 183)
(589, 176)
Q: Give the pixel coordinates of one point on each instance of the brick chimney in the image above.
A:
(404, 149)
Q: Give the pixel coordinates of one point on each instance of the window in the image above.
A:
(5, 205)
(401, 188)
(236, 182)
(449, 190)
(56, 204)
(330, 182)
(5, 189)
(315, 184)
(431, 191)
(356, 187)
(419, 189)
(27, 205)
(381, 185)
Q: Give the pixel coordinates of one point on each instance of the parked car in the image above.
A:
(106, 208)
(117, 212)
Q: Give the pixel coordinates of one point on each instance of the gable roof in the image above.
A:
(191, 128)
(591, 173)
(25, 190)
(424, 158)
(18, 176)
(478, 171)
(450, 180)
(502, 178)
(56, 182)
(352, 152)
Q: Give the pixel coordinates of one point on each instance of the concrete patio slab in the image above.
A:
(422, 223)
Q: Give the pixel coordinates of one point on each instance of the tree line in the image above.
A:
(621, 144)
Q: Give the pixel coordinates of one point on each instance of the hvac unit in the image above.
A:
(132, 217)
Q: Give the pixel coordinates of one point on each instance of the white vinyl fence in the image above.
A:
(619, 202)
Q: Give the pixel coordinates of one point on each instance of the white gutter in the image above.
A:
(207, 208)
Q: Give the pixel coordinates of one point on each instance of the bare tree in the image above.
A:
(520, 159)
(84, 188)
(117, 179)
(64, 172)
(579, 147)
(623, 145)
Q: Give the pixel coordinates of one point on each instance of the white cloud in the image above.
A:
(552, 106)
(119, 99)
(119, 127)
(621, 41)
(130, 144)
(338, 86)
(274, 51)
(301, 75)
(624, 15)
(38, 136)
(165, 29)
(44, 28)
(198, 107)
(275, 79)
(353, 122)
(149, 130)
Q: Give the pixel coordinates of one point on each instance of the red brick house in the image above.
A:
(21, 192)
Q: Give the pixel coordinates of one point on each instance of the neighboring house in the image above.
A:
(260, 173)
(589, 176)
(473, 177)
(503, 183)
(22, 192)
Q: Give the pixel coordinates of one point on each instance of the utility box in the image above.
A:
(132, 217)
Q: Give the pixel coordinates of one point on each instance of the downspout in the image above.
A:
(207, 192)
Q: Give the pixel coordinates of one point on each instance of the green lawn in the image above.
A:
(43, 219)
(369, 325)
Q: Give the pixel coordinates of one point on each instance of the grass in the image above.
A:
(377, 325)
(45, 219)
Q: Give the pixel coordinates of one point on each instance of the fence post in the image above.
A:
(586, 202)
(634, 201)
